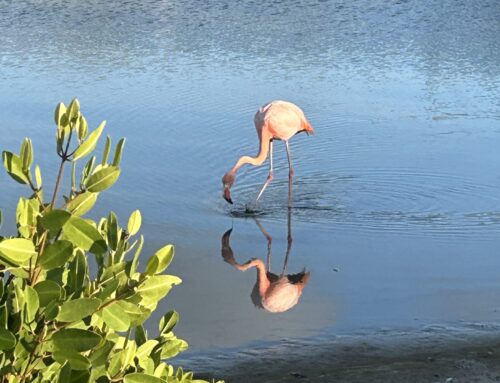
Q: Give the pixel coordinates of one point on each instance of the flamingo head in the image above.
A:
(227, 182)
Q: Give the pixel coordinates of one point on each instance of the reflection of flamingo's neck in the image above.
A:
(262, 280)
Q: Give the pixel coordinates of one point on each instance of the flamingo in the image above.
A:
(276, 120)
(271, 292)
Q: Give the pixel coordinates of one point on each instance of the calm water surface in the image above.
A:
(396, 205)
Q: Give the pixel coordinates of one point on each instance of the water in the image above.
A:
(396, 209)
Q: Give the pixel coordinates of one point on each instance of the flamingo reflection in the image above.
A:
(271, 292)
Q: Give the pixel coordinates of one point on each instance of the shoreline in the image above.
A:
(431, 354)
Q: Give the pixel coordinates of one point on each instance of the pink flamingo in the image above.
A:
(276, 120)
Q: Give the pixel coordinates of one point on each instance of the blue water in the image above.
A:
(396, 204)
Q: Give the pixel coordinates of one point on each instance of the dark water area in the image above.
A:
(396, 202)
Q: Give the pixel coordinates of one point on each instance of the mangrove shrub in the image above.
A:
(73, 300)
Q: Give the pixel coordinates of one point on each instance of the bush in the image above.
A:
(72, 301)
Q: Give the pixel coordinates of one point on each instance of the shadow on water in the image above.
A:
(272, 292)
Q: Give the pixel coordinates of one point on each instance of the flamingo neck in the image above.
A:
(262, 280)
(257, 160)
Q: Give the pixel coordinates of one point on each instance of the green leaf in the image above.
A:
(89, 144)
(82, 203)
(54, 220)
(102, 179)
(116, 317)
(38, 177)
(72, 339)
(137, 377)
(112, 231)
(160, 260)
(51, 310)
(87, 169)
(59, 113)
(48, 291)
(17, 250)
(156, 287)
(73, 109)
(82, 377)
(105, 152)
(77, 273)
(172, 347)
(77, 361)
(136, 313)
(26, 154)
(7, 339)
(82, 234)
(135, 260)
(55, 254)
(168, 322)
(76, 309)
(146, 348)
(118, 152)
(14, 167)
(140, 335)
(134, 222)
(82, 128)
(128, 354)
(32, 303)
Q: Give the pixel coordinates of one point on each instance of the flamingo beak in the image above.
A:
(227, 195)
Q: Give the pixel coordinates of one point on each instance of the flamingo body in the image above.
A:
(276, 120)
(280, 120)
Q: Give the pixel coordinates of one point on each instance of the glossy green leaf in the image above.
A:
(38, 177)
(55, 254)
(89, 144)
(84, 235)
(172, 347)
(32, 303)
(118, 152)
(26, 154)
(156, 287)
(7, 339)
(134, 222)
(82, 203)
(48, 291)
(52, 310)
(105, 151)
(73, 109)
(146, 348)
(77, 309)
(116, 317)
(135, 260)
(59, 113)
(82, 128)
(72, 339)
(77, 361)
(54, 220)
(137, 377)
(128, 354)
(77, 273)
(112, 231)
(87, 169)
(82, 376)
(160, 260)
(17, 250)
(140, 335)
(103, 179)
(14, 167)
(137, 314)
(168, 322)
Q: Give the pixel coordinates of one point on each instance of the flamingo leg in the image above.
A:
(290, 174)
(289, 240)
(270, 175)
